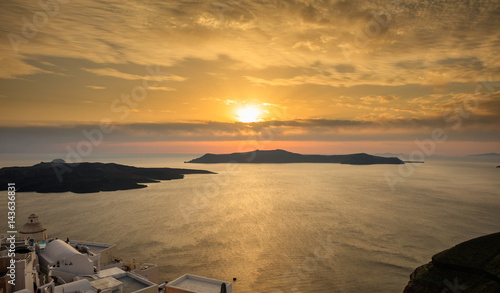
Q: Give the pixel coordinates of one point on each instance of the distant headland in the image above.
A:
(282, 156)
(59, 176)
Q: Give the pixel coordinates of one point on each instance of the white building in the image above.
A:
(119, 281)
(27, 269)
(85, 267)
(102, 254)
(26, 272)
(59, 259)
(112, 280)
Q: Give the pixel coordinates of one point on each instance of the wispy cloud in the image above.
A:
(412, 62)
(276, 34)
(128, 76)
(161, 88)
(380, 127)
(379, 99)
(95, 87)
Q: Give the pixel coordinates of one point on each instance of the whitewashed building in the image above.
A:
(26, 270)
(59, 259)
(102, 254)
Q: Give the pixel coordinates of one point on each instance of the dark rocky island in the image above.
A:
(471, 266)
(281, 156)
(59, 176)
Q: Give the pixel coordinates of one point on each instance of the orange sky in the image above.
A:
(305, 147)
(202, 76)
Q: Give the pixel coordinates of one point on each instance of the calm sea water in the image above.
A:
(280, 228)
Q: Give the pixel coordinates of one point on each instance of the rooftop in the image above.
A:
(117, 280)
(81, 286)
(193, 283)
(108, 283)
(57, 250)
(110, 272)
(131, 284)
(94, 247)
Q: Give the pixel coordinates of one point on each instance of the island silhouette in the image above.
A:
(59, 176)
(281, 156)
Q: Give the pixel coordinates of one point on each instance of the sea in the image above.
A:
(279, 227)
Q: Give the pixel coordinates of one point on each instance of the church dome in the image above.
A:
(33, 226)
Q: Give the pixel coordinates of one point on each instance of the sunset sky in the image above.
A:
(312, 76)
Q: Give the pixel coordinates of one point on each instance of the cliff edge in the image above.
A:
(471, 266)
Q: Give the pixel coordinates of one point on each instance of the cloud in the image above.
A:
(418, 59)
(114, 73)
(161, 88)
(127, 76)
(95, 87)
(379, 127)
(379, 99)
(296, 80)
(345, 68)
(307, 45)
(265, 34)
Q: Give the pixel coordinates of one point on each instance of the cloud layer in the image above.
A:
(359, 70)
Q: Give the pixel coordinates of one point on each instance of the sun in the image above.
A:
(249, 114)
